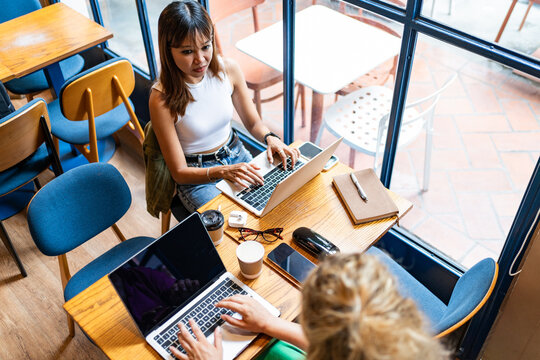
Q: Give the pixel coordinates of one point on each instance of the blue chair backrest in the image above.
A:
(469, 294)
(12, 9)
(76, 206)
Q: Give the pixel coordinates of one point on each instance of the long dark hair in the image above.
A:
(178, 21)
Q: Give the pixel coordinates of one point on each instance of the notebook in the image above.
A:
(181, 276)
(279, 184)
(379, 204)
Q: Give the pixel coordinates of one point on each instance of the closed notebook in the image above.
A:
(379, 204)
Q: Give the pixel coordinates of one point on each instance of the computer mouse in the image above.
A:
(313, 242)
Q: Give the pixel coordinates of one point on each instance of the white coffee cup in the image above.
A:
(250, 257)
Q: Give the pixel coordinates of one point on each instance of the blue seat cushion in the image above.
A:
(76, 132)
(104, 264)
(469, 292)
(37, 81)
(409, 287)
(24, 171)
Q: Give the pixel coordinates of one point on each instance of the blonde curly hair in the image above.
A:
(352, 310)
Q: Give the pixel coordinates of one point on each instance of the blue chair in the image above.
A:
(470, 293)
(36, 81)
(27, 150)
(72, 209)
(93, 105)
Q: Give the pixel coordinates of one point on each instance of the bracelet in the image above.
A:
(208, 174)
(270, 134)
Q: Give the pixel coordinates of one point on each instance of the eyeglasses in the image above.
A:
(269, 235)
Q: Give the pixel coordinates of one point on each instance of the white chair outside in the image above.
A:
(362, 119)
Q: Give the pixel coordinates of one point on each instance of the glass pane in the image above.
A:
(154, 9)
(486, 18)
(82, 6)
(120, 17)
(234, 21)
(485, 143)
(358, 59)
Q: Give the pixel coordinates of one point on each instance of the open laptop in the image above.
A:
(279, 184)
(178, 277)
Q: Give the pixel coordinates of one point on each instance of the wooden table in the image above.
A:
(331, 51)
(42, 38)
(5, 73)
(100, 313)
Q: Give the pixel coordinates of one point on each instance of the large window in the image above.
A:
(121, 17)
(485, 144)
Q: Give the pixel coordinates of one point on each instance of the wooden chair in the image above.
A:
(258, 75)
(179, 212)
(94, 105)
(72, 209)
(27, 150)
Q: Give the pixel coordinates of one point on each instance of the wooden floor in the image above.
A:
(32, 322)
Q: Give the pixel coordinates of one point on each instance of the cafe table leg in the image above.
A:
(317, 105)
(54, 76)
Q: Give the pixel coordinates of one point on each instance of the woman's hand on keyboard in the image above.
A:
(198, 347)
(243, 174)
(255, 317)
(278, 148)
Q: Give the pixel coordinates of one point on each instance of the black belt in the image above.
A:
(218, 155)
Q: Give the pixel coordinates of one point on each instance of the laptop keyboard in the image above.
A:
(205, 314)
(258, 195)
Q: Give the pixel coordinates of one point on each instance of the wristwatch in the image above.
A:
(270, 134)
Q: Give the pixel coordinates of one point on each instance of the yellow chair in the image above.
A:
(27, 151)
(94, 105)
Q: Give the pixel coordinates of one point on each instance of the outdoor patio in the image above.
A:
(486, 129)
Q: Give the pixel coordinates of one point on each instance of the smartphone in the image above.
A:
(309, 150)
(291, 261)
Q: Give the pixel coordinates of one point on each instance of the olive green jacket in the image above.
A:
(159, 183)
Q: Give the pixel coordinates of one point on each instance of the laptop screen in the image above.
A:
(167, 274)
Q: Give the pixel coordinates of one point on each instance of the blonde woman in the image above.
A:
(351, 310)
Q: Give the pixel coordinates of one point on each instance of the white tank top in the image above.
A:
(206, 123)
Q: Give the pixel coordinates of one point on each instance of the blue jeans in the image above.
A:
(195, 196)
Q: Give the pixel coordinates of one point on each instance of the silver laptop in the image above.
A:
(178, 277)
(279, 184)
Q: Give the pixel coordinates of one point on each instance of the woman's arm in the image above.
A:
(257, 319)
(163, 125)
(250, 117)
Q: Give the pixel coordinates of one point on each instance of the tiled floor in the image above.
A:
(486, 143)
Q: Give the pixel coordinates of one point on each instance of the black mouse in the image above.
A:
(313, 242)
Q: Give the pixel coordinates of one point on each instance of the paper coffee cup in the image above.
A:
(250, 257)
(213, 220)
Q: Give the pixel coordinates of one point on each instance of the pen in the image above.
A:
(361, 191)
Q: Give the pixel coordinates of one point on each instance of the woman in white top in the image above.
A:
(191, 109)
